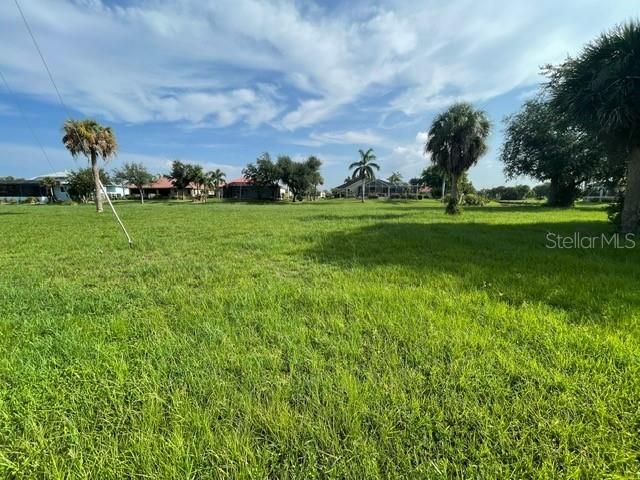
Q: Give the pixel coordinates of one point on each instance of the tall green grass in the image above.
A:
(317, 340)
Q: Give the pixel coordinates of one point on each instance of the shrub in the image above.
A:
(31, 201)
(372, 196)
(473, 200)
(395, 196)
(614, 211)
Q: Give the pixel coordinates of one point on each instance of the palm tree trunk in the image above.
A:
(631, 208)
(452, 205)
(364, 183)
(96, 180)
(454, 187)
(141, 187)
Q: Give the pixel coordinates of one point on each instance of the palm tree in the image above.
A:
(89, 138)
(600, 91)
(363, 169)
(216, 178)
(50, 183)
(457, 140)
(395, 178)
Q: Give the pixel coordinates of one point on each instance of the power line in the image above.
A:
(44, 62)
(27, 123)
(64, 106)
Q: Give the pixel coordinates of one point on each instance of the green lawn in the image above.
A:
(317, 340)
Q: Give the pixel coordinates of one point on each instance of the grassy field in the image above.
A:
(317, 340)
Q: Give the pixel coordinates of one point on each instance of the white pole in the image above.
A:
(116, 215)
(444, 185)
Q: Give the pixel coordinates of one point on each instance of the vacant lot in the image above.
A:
(333, 339)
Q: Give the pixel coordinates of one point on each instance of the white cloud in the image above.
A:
(205, 63)
(349, 137)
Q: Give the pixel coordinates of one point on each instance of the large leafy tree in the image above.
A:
(457, 140)
(89, 138)
(134, 174)
(365, 168)
(542, 143)
(600, 91)
(81, 183)
(300, 177)
(264, 173)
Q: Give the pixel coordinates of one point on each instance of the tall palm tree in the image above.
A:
(600, 91)
(457, 140)
(363, 169)
(216, 178)
(89, 138)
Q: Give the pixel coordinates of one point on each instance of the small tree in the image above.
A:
(395, 178)
(196, 175)
(81, 183)
(364, 168)
(134, 174)
(216, 178)
(457, 140)
(89, 138)
(180, 176)
(50, 183)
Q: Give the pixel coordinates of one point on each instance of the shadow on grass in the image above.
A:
(510, 262)
(11, 213)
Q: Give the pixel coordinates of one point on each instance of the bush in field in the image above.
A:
(473, 200)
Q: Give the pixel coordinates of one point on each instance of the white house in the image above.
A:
(61, 189)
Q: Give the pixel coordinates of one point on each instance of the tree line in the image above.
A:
(583, 126)
(301, 177)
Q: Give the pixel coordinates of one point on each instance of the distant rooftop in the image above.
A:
(62, 174)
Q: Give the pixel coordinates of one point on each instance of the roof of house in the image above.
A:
(58, 175)
(239, 181)
(356, 180)
(160, 182)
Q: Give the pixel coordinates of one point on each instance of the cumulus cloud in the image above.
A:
(285, 63)
(361, 138)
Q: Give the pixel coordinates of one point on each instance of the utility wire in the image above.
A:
(27, 123)
(44, 62)
(64, 106)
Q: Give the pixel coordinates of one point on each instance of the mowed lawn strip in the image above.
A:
(330, 339)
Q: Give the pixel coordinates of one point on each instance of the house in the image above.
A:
(244, 189)
(378, 187)
(61, 189)
(22, 190)
(161, 187)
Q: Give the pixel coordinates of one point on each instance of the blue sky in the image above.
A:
(218, 83)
